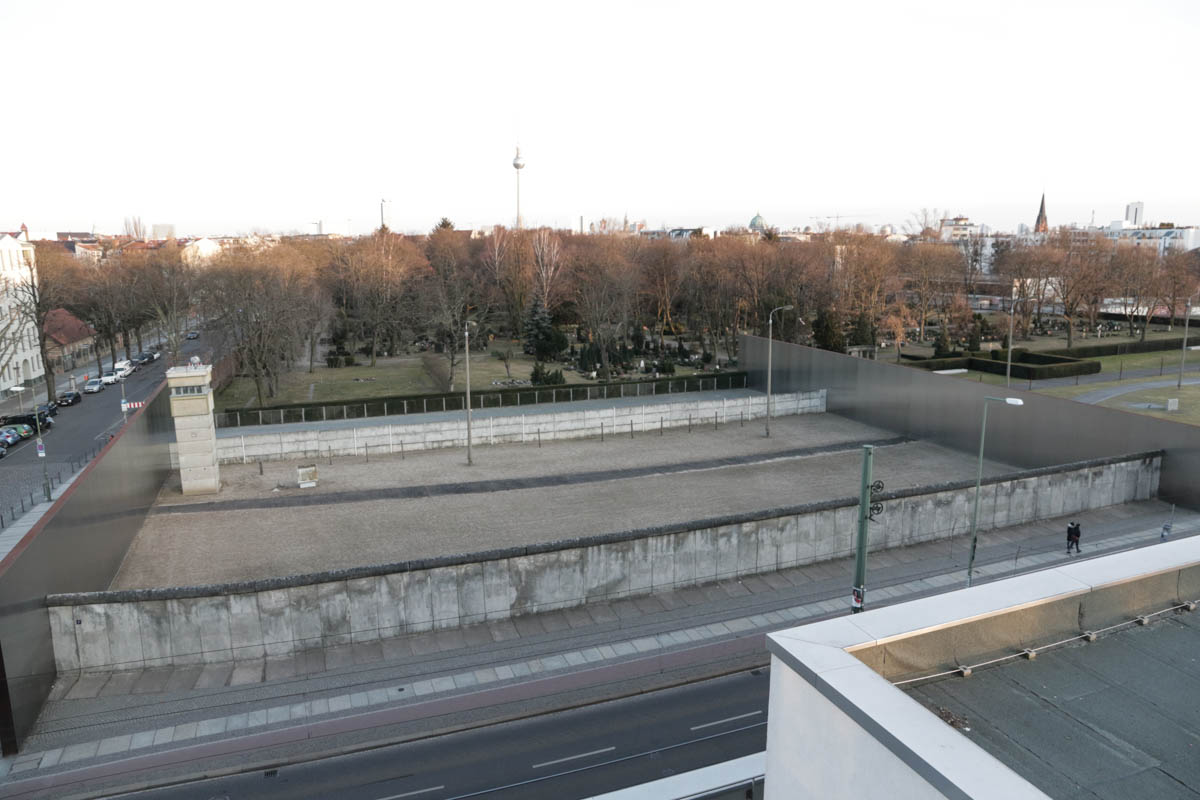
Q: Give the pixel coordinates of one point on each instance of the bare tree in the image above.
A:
(604, 291)
(548, 268)
(41, 288)
(134, 228)
(453, 292)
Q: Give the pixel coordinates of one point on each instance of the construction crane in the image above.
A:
(837, 218)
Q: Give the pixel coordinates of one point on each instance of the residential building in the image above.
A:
(20, 358)
(70, 339)
(957, 229)
(1135, 213)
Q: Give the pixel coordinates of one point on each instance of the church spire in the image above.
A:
(1041, 225)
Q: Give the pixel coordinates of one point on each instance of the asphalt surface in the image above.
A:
(78, 433)
(571, 754)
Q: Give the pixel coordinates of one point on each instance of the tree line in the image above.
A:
(270, 307)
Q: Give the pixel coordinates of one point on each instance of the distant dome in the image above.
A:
(758, 223)
(808, 228)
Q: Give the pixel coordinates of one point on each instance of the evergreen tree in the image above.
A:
(864, 330)
(827, 331)
(543, 338)
(941, 345)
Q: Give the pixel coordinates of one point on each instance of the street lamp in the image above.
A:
(1187, 316)
(1012, 401)
(770, 346)
(467, 348)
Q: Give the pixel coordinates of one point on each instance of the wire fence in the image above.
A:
(27, 487)
(402, 406)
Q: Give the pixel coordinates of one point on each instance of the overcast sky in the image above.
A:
(226, 117)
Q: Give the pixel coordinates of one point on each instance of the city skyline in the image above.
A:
(233, 118)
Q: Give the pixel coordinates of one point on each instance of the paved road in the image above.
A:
(573, 754)
(78, 432)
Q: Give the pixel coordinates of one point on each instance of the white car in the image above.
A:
(111, 377)
(94, 385)
(124, 368)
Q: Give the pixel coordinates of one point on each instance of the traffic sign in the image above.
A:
(41, 447)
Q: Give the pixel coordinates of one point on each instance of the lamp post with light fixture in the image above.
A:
(1012, 401)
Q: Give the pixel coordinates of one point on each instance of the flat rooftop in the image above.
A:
(432, 504)
(1116, 719)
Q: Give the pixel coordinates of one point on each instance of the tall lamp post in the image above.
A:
(770, 348)
(1187, 316)
(1012, 401)
(467, 348)
(1012, 310)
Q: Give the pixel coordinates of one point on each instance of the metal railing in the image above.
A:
(479, 400)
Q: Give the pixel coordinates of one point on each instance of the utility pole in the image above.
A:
(859, 592)
(41, 451)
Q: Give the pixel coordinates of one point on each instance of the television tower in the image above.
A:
(518, 165)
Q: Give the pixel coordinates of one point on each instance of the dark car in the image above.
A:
(70, 399)
(141, 359)
(31, 419)
(193, 335)
(50, 408)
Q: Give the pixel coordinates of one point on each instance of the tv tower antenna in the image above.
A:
(518, 165)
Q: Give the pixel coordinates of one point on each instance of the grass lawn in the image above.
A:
(391, 376)
(1188, 396)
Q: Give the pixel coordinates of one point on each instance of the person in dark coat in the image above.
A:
(1073, 532)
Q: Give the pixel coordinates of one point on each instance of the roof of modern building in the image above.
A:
(1115, 718)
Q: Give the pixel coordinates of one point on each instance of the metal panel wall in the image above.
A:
(77, 546)
(1044, 432)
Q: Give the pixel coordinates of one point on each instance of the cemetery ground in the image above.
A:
(397, 375)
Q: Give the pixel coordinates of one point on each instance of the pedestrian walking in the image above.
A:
(1073, 534)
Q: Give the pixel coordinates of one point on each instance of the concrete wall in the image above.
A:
(498, 428)
(77, 546)
(153, 627)
(947, 410)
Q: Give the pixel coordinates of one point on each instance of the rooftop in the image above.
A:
(396, 508)
(1114, 719)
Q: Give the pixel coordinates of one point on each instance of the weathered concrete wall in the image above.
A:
(501, 428)
(153, 627)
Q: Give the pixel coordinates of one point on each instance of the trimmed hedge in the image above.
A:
(1025, 365)
(1117, 348)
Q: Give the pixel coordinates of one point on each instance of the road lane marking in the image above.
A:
(723, 721)
(411, 794)
(572, 758)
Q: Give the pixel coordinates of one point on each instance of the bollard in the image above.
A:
(1076, 380)
(741, 419)
(630, 429)
(402, 447)
(367, 452)
(660, 426)
(1161, 362)
(260, 469)
(601, 433)
(330, 451)
(1031, 383)
(1121, 374)
(714, 422)
(689, 423)
(22, 505)
(539, 438)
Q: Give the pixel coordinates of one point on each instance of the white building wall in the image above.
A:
(853, 763)
(20, 357)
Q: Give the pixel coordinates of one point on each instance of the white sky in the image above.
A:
(225, 117)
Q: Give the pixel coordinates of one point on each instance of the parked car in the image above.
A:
(193, 335)
(70, 398)
(124, 368)
(50, 408)
(111, 377)
(155, 354)
(3, 450)
(32, 419)
(141, 359)
(25, 431)
(9, 436)
(93, 386)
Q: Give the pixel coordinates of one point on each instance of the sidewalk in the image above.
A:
(92, 719)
